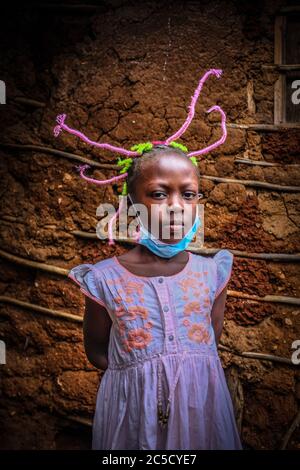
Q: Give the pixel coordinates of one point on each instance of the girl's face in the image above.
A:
(168, 190)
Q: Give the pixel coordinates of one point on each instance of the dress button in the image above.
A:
(171, 337)
(166, 308)
(160, 280)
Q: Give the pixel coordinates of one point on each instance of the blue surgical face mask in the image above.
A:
(160, 248)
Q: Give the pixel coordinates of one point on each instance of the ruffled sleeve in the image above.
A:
(224, 262)
(86, 277)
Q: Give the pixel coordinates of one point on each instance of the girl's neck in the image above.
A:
(149, 257)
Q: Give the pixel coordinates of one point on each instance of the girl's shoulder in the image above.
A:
(223, 261)
(223, 256)
(218, 268)
(91, 274)
(219, 258)
(104, 263)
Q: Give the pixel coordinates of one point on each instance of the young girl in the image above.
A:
(154, 317)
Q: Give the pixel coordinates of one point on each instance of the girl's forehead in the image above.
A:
(169, 161)
(169, 167)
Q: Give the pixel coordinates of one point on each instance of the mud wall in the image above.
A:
(124, 72)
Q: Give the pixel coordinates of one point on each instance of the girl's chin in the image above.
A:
(174, 233)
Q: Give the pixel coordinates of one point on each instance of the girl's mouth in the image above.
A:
(174, 227)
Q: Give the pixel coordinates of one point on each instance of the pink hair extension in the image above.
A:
(81, 169)
(60, 119)
(110, 234)
(191, 113)
(111, 241)
(220, 141)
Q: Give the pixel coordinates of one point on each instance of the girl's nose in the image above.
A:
(175, 203)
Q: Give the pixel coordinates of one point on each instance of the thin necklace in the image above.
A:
(163, 417)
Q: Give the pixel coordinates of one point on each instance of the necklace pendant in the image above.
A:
(162, 417)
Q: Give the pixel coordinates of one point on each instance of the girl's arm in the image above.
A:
(96, 332)
(217, 313)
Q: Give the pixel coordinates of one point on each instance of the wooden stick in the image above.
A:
(29, 102)
(253, 183)
(209, 251)
(64, 272)
(72, 8)
(281, 67)
(78, 319)
(43, 310)
(248, 161)
(34, 264)
(260, 127)
(267, 298)
(282, 257)
(267, 357)
(60, 153)
(290, 431)
(78, 419)
(259, 356)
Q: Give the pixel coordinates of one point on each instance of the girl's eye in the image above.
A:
(157, 193)
(190, 195)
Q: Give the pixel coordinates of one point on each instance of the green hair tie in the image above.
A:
(127, 162)
(141, 148)
(178, 146)
(124, 189)
(194, 160)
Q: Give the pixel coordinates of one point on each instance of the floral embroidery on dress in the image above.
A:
(120, 311)
(122, 326)
(197, 274)
(138, 338)
(127, 289)
(196, 295)
(186, 322)
(192, 307)
(185, 284)
(137, 310)
(131, 287)
(130, 313)
(199, 333)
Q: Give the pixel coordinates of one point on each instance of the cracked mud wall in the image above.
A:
(124, 73)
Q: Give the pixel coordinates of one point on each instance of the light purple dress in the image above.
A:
(161, 346)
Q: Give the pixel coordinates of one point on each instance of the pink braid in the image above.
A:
(81, 168)
(60, 119)
(110, 234)
(220, 141)
(136, 236)
(188, 121)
